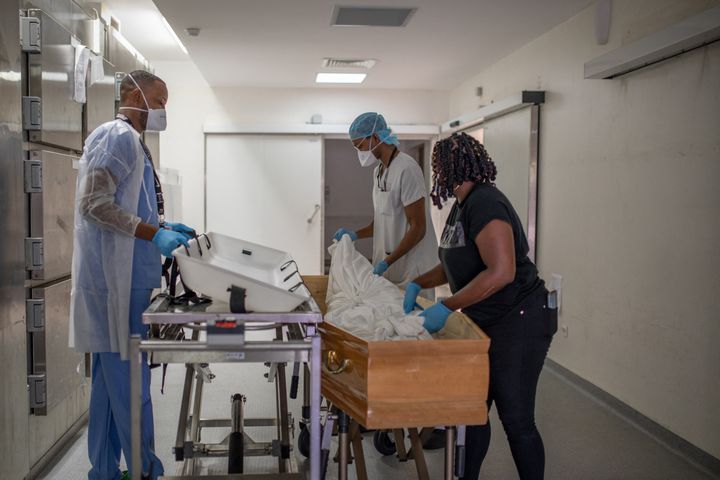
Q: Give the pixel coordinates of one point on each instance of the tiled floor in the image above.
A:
(583, 439)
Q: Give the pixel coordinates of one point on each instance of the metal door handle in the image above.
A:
(333, 365)
(312, 217)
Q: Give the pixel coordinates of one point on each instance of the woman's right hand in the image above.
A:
(411, 293)
(339, 234)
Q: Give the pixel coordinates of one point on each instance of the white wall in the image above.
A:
(629, 209)
(192, 103)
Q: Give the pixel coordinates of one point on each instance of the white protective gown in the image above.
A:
(399, 186)
(110, 177)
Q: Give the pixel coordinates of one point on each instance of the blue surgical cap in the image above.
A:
(372, 122)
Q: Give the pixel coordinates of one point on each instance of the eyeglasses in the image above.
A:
(362, 142)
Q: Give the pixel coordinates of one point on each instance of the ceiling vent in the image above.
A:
(347, 63)
(371, 16)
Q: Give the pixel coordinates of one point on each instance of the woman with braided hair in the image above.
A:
(484, 257)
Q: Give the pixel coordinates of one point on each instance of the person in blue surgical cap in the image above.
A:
(119, 237)
(404, 242)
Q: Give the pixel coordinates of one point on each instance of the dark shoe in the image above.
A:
(435, 441)
(126, 476)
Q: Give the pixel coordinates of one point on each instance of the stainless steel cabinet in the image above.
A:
(51, 73)
(50, 179)
(123, 60)
(41, 134)
(56, 370)
(100, 106)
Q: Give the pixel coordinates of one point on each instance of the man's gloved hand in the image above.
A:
(411, 293)
(168, 240)
(339, 234)
(381, 267)
(181, 228)
(435, 317)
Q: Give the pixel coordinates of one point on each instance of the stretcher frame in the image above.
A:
(302, 346)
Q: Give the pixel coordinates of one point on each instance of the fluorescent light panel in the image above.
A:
(326, 77)
(172, 33)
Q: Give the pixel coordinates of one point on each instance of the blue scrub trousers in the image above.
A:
(109, 424)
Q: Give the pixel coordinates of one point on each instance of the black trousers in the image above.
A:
(518, 347)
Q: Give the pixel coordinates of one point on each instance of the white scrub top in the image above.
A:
(399, 186)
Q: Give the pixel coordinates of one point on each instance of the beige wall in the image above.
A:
(193, 103)
(629, 211)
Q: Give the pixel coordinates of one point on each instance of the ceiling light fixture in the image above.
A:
(340, 77)
(172, 33)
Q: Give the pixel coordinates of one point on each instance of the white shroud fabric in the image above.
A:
(365, 304)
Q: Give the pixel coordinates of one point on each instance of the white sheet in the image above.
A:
(364, 304)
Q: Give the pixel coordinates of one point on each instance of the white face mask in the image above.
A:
(367, 157)
(156, 118)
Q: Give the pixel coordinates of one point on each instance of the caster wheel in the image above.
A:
(304, 442)
(383, 443)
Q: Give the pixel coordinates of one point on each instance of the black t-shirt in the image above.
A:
(462, 261)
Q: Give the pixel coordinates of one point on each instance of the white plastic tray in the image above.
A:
(266, 274)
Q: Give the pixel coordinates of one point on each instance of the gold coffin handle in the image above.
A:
(333, 365)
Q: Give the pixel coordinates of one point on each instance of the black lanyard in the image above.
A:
(158, 186)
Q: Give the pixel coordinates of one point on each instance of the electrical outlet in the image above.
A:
(564, 330)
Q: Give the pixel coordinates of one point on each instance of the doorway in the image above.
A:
(348, 189)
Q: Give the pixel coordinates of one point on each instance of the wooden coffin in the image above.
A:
(410, 383)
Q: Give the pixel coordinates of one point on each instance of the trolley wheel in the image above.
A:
(304, 441)
(236, 453)
(384, 443)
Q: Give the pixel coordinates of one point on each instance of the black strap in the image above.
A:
(237, 299)
(159, 198)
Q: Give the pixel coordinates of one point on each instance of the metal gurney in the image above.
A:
(224, 342)
(219, 335)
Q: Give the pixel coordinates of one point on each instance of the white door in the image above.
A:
(267, 189)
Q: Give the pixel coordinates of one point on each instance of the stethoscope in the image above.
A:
(383, 172)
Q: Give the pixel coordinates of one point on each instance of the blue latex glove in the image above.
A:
(339, 234)
(181, 228)
(435, 317)
(411, 293)
(167, 241)
(381, 267)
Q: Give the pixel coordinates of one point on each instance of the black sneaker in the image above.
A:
(435, 441)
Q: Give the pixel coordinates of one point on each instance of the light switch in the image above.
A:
(556, 285)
